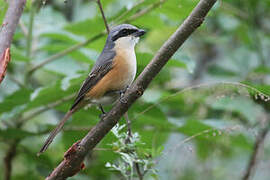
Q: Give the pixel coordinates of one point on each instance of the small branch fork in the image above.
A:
(7, 30)
(103, 16)
(79, 151)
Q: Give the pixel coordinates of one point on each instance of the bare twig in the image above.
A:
(23, 28)
(103, 16)
(140, 175)
(145, 11)
(11, 153)
(253, 159)
(16, 81)
(79, 45)
(127, 141)
(128, 124)
(71, 165)
(46, 107)
(7, 30)
(30, 31)
(208, 85)
(116, 20)
(65, 52)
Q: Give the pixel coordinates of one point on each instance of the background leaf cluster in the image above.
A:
(207, 127)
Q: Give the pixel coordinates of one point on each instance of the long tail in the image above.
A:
(55, 132)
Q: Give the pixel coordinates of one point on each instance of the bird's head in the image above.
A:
(125, 35)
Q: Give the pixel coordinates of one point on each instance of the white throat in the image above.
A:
(126, 42)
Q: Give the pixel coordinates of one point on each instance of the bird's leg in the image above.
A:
(129, 132)
(102, 110)
(122, 92)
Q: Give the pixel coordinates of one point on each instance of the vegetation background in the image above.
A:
(205, 116)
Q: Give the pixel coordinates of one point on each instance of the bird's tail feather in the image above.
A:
(55, 132)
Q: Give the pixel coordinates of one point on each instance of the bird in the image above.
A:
(114, 71)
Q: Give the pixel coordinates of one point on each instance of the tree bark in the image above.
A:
(7, 30)
(73, 158)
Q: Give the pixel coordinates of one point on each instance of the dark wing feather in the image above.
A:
(101, 68)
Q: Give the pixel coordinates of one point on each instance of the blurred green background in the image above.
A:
(200, 117)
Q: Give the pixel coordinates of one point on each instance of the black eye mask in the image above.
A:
(123, 33)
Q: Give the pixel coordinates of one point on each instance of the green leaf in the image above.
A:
(3, 9)
(60, 37)
(19, 97)
(18, 55)
(220, 71)
(13, 133)
(87, 27)
(54, 92)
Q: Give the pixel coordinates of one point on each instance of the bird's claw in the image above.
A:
(101, 116)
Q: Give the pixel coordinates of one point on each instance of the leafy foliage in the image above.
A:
(198, 119)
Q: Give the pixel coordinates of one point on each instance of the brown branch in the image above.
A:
(4, 60)
(7, 30)
(73, 164)
(11, 153)
(103, 16)
(253, 159)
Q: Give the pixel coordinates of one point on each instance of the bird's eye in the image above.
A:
(124, 31)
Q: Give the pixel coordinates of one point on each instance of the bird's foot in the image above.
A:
(103, 113)
(122, 92)
(101, 116)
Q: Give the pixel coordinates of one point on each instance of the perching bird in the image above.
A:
(114, 71)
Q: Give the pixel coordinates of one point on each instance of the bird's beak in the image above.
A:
(139, 33)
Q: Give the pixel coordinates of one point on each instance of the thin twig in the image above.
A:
(253, 159)
(127, 141)
(11, 153)
(16, 81)
(79, 45)
(208, 85)
(30, 31)
(128, 124)
(103, 16)
(46, 107)
(140, 175)
(116, 20)
(145, 11)
(65, 52)
(23, 28)
(73, 159)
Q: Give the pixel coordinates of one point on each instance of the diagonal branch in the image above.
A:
(73, 160)
(146, 10)
(7, 30)
(103, 16)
